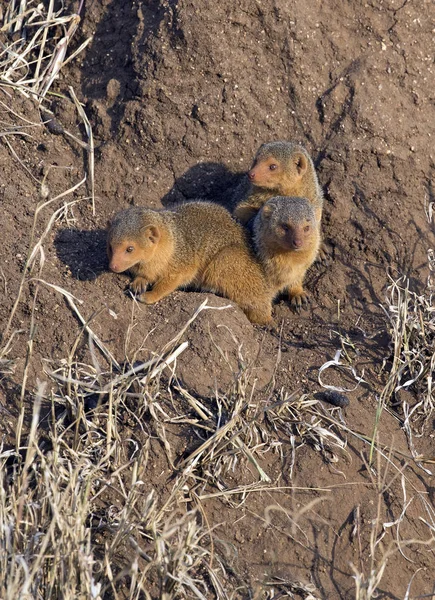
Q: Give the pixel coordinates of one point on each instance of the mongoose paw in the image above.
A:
(265, 321)
(148, 298)
(299, 301)
(273, 327)
(323, 256)
(259, 316)
(139, 285)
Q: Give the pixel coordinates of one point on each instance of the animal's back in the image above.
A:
(208, 227)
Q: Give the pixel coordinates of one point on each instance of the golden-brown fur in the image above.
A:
(197, 244)
(286, 238)
(279, 169)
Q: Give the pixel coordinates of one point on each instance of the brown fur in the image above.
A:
(197, 244)
(286, 238)
(279, 169)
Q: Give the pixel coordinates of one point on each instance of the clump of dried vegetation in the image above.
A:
(412, 325)
(63, 539)
(79, 517)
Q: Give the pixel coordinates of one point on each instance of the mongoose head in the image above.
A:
(280, 166)
(133, 237)
(286, 223)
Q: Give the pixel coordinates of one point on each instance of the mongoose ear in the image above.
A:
(301, 164)
(267, 210)
(259, 151)
(152, 233)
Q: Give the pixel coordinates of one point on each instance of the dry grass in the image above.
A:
(412, 323)
(82, 520)
(62, 538)
(411, 319)
(39, 36)
(61, 541)
(386, 541)
(38, 40)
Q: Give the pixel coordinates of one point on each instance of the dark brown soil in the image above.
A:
(180, 94)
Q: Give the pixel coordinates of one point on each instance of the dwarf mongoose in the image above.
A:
(279, 169)
(195, 244)
(287, 239)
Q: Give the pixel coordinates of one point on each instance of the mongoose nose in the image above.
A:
(114, 267)
(297, 243)
(251, 175)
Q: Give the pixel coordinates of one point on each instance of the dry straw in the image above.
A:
(39, 37)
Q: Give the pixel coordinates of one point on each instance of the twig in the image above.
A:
(88, 129)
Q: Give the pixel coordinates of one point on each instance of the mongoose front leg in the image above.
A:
(162, 288)
(139, 285)
(298, 297)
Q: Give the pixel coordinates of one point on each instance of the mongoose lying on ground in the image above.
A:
(279, 169)
(195, 244)
(286, 238)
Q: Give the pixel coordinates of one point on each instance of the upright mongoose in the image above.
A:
(197, 244)
(279, 169)
(287, 239)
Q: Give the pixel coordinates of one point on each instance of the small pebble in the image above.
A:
(335, 398)
(52, 124)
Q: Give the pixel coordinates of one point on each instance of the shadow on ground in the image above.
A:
(204, 181)
(84, 252)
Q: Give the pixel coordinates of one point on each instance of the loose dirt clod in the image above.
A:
(52, 124)
(335, 398)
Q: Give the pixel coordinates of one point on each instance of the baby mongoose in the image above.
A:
(279, 169)
(287, 239)
(195, 244)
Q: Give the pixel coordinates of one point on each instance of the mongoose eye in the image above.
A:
(272, 167)
(306, 228)
(285, 227)
(130, 249)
